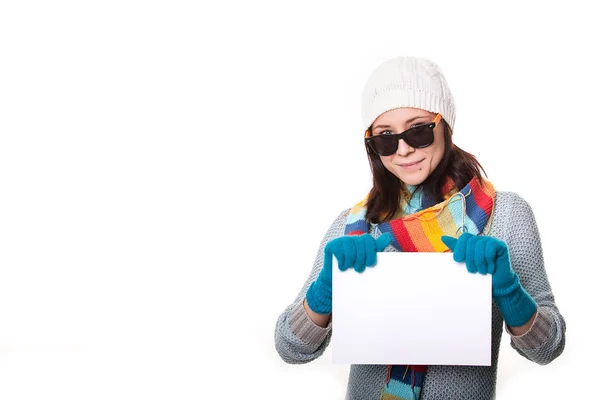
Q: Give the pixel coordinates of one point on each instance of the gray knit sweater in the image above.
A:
(299, 340)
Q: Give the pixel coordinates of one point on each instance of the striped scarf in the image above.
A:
(419, 229)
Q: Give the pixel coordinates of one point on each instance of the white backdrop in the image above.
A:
(168, 170)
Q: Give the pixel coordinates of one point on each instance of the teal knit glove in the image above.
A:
(356, 252)
(488, 255)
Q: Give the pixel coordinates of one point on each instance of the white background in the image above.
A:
(167, 171)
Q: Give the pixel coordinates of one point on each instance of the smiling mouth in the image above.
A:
(410, 164)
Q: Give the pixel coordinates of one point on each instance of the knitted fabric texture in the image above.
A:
(297, 340)
(486, 255)
(407, 82)
(467, 210)
(356, 252)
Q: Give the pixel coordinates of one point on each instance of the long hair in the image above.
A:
(385, 195)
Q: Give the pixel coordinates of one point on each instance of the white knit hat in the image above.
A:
(407, 82)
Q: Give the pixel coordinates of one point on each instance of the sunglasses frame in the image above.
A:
(369, 138)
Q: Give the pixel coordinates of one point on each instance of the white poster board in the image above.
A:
(412, 308)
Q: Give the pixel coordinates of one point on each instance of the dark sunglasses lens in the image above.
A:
(384, 145)
(419, 137)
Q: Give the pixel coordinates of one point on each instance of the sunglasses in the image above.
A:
(417, 137)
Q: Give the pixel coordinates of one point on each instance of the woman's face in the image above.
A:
(412, 166)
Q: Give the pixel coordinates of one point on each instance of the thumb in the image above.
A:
(449, 241)
(327, 258)
(383, 241)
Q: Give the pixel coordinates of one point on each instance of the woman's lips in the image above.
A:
(409, 166)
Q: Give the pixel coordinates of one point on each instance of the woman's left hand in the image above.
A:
(488, 255)
(485, 255)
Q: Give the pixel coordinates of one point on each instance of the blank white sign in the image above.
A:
(412, 308)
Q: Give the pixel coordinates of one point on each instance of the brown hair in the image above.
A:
(385, 195)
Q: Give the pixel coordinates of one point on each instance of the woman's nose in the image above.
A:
(403, 148)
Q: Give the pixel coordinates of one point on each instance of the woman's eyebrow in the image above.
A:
(408, 121)
(382, 126)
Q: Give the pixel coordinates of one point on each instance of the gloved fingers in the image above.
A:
(356, 252)
(335, 248)
(479, 257)
(460, 250)
(491, 250)
(327, 257)
(502, 254)
(469, 245)
(384, 241)
(349, 250)
(360, 244)
(370, 252)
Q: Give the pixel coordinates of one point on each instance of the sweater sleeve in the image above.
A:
(298, 339)
(545, 340)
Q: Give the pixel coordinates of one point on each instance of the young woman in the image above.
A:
(428, 195)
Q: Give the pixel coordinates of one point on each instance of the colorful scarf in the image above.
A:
(420, 230)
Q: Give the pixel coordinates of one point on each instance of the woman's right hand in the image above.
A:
(356, 252)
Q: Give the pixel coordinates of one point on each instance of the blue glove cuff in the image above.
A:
(318, 297)
(515, 304)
